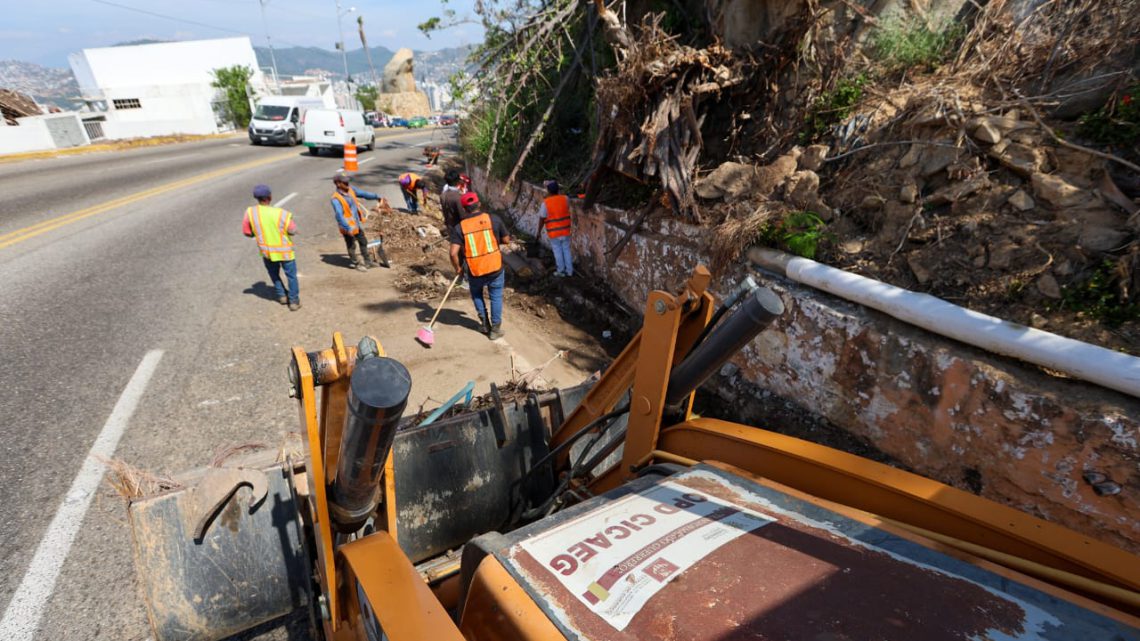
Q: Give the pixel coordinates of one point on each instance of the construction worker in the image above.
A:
(409, 185)
(477, 239)
(449, 199)
(271, 226)
(555, 216)
(350, 219)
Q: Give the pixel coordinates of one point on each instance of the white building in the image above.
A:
(164, 88)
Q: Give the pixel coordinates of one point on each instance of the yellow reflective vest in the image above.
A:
(270, 228)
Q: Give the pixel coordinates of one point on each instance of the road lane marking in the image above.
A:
(31, 231)
(281, 203)
(368, 159)
(22, 618)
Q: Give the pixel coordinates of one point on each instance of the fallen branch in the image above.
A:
(1065, 143)
(615, 251)
(893, 142)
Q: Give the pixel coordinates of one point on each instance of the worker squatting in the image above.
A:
(476, 237)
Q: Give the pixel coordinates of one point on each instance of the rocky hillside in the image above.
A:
(46, 84)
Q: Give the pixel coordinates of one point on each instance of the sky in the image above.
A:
(45, 32)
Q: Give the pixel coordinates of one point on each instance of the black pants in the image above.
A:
(352, 242)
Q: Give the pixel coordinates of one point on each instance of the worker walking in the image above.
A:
(271, 226)
(412, 186)
(555, 216)
(475, 248)
(350, 219)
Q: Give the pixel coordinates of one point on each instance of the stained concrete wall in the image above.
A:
(981, 422)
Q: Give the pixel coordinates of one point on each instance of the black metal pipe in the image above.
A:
(756, 312)
(377, 395)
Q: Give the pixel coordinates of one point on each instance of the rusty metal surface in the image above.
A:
(249, 566)
(215, 489)
(808, 574)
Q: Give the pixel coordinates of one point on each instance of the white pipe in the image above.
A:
(1104, 367)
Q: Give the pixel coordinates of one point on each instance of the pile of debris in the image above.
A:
(14, 104)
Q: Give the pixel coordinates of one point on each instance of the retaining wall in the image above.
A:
(1006, 430)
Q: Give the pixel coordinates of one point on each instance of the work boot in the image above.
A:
(294, 306)
(360, 267)
(496, 331)
(486, 329)
(283, 300)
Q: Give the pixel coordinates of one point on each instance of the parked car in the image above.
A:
(399, 122)
(333, 128)
(417, 122)
(277, 119)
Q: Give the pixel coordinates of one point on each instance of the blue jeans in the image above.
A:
(274, 269)
(494, 285)
(411, 201)
(562, 260)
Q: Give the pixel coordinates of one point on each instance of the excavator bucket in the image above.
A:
(221, 556)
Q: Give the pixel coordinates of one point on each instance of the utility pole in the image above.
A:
(272, 56)
(344, 51)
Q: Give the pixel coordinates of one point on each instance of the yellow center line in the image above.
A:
(31, 231)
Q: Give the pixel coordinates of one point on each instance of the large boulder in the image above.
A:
(398, 73)
(731, 180)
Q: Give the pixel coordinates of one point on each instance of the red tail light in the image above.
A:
(304, 115)
(341, 121)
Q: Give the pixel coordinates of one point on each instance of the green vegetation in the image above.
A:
(1117, 123)
(234, 81)
(799, 232)
(366, 96)
(832, 107)
(1099, 296)
(902, 45)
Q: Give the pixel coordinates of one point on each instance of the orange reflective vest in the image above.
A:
(271, 229)
(413, 185)
(349, 217)
(557, 216)
(480, 247)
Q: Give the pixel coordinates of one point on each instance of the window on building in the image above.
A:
(127, 103)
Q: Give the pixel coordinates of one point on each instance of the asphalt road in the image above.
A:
(108, 258)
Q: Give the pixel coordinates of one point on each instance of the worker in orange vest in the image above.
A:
(476, 248)
(271, 226)
(555, 218)
(350, 220)
(409, 185)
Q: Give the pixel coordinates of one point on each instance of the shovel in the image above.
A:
(425, 336)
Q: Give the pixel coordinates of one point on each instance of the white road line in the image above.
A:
(368, 159)
(284, 200)
(22, 618)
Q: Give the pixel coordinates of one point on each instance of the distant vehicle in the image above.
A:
(277, 119)
(398, 122)
(417, 122)
(333, 128)
(372, 118)
(447, 121)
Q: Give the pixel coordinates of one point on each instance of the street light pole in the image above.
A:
(272, 56)
(343, 49)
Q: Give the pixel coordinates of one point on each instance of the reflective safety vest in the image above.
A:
(349, 217)
(413, 185)
(557, 216)
(480, 247)
(271, 229)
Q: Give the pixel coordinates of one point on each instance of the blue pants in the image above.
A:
(411, 201)
(562, 260)
(274, 269)
(494, 285)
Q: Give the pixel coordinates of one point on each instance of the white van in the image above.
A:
(332, 128)
(277, 120)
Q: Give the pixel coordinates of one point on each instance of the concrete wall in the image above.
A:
(32, 135)
(164, 110)
(984, 423)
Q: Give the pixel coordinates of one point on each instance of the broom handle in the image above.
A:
(445, 295)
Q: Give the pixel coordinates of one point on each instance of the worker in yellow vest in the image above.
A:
(476, 248)
(350, 220)
(554, 217)
(271, 226)
(413, 187)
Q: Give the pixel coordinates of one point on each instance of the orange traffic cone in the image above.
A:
(350, 157)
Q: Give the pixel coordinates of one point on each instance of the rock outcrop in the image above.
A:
(398, 94)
